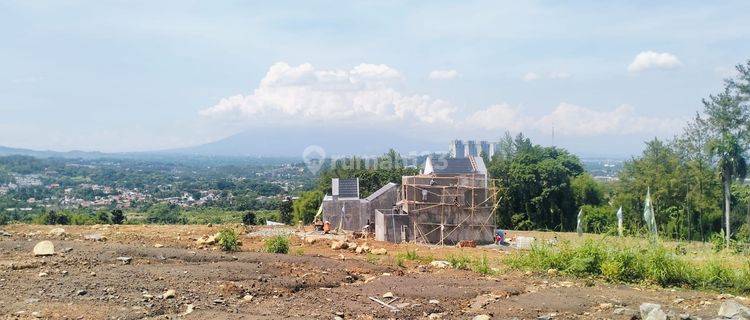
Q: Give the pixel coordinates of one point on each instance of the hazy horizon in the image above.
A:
(148, 76)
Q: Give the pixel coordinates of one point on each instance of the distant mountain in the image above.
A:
(4, 151)
(272, 143)
(334, 141)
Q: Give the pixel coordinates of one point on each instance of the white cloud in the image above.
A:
(653, 60)
(367, 95)
(443, 74)
(305, 94)
(498, 117)
(573, 120)
(530, 76)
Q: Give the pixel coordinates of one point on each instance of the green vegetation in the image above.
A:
(535, 186)
(634, 264)
(118, 217)
(228, 240)
(248, 218)
(306, 206)
(165, 214)
(277, 244)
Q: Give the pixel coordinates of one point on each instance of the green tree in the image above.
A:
(535, 185)
(307, 206)
(102, 216)
(586, 190)
(248, 218)
(118, 217)
(286, 210)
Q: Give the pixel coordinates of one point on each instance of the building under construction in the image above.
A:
(447, 203)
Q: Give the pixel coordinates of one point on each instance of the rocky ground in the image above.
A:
(134, 272)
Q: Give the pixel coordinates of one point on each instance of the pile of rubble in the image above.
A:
(357, 248)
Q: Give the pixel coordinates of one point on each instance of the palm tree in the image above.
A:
(731, 165)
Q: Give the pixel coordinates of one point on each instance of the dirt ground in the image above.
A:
(85, 280)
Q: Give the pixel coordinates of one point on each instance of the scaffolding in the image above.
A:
(448, 209)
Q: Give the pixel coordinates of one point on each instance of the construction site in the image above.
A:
(447, 203)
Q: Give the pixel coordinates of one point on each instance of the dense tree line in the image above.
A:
(697, 178)
(539, 187)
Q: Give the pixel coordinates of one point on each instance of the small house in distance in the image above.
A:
(346, 210)
(448, 202)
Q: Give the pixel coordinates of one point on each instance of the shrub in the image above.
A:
(103, 216)
(118, 217)
(228, 240)
(277, 244)
(52, 217)
(248, 218)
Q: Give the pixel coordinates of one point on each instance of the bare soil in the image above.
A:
(85, 280)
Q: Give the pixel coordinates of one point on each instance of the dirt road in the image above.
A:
(86, 280)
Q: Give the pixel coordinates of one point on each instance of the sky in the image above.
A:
(603, 76)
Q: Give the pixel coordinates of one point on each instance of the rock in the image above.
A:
(169, 294)
(206, 240)
(388, 295)
(81, 292)
(652, 311)
(678, 301)
(552, 272)
(440, 264)
(434, 316)
(605, 305)
(482, 317)
(352, 246)
(4, 233)
(189, 310)
(433, 301)
(732, 308)
(94, 237)
(56, 232)
(646, 308)
(379, 251)
(545, 317)
(626, 312)
(337, 245)
(310, 240)
(358, 250)
(125, 260)
(247, 298)
(36, 314)
(158, 245)
(656, 314)
(42, 274)
(44, 248)
(402, 305)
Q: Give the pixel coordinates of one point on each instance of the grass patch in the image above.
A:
(459, 262)
(228, 240)
(482, 265)
(653, 263)
(276, 244)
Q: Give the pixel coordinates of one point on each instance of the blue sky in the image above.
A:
(131, 76)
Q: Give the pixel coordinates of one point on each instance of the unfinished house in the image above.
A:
(345, 210)
(447, 203)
